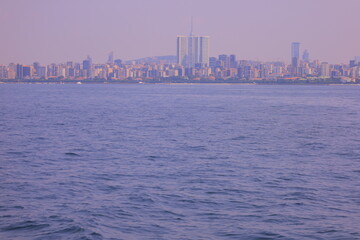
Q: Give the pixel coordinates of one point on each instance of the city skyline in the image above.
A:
(56, 31)
(190, 64)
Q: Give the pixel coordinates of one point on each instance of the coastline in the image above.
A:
(176, 83)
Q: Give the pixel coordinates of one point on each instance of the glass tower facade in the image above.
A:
(193, 51)
(295, 54)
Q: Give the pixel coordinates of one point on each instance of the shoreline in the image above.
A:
(177, 83)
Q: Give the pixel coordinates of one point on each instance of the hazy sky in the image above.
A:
(59, 30)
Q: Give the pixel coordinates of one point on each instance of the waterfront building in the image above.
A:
(27, 72)
(3, 72)
(41, 72)
(87, 66)
(19, 71)
(11, 72)
(36, 66)
(324, 69)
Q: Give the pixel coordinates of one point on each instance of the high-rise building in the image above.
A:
(3, 72)
(324, 69)
(41, 72)
(204, 51)
(295, 54)
(224, 61)
(19, 71)
(193, 51)
(87, 67)
(306, 56)
(87, 63)
(212, 62)
(27, 72)
(182, 50)
(36, 67)
(233, 63)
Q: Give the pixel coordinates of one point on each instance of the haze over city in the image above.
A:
(58, 31)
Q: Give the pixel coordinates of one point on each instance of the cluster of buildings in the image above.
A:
(192, 62)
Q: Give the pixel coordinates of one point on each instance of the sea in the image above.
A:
(173, 161)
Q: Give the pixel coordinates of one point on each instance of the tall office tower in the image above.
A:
(41, 72)
(306, 56)
(182, 47)
(193, 45)
(213, 62)
(295, 54)
(233, 63)
(204, 51)
(87, 66)
(19, 71)
(193, 51)
(224, 61)
(27, 72)
(36, 67)
(87, 63)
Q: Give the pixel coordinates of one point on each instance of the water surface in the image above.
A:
(179, 162)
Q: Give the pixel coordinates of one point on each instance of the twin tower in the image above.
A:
(193, 51)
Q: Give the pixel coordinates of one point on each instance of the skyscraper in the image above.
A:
(19, 71)
(193, 51)
(27, 72)
(233, 63)
(295, 54)
(87, 66)
(182, 47)
(204, 51)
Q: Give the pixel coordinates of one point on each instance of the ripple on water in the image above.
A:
(24, 226)
(179, 162)
(72, 154)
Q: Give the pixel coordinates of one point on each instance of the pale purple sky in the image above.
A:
(59, 30)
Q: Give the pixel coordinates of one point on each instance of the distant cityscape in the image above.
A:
(191, 64)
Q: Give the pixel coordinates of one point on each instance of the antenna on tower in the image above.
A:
(191, 31)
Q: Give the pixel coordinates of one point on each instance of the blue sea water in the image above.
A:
(179, 162)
